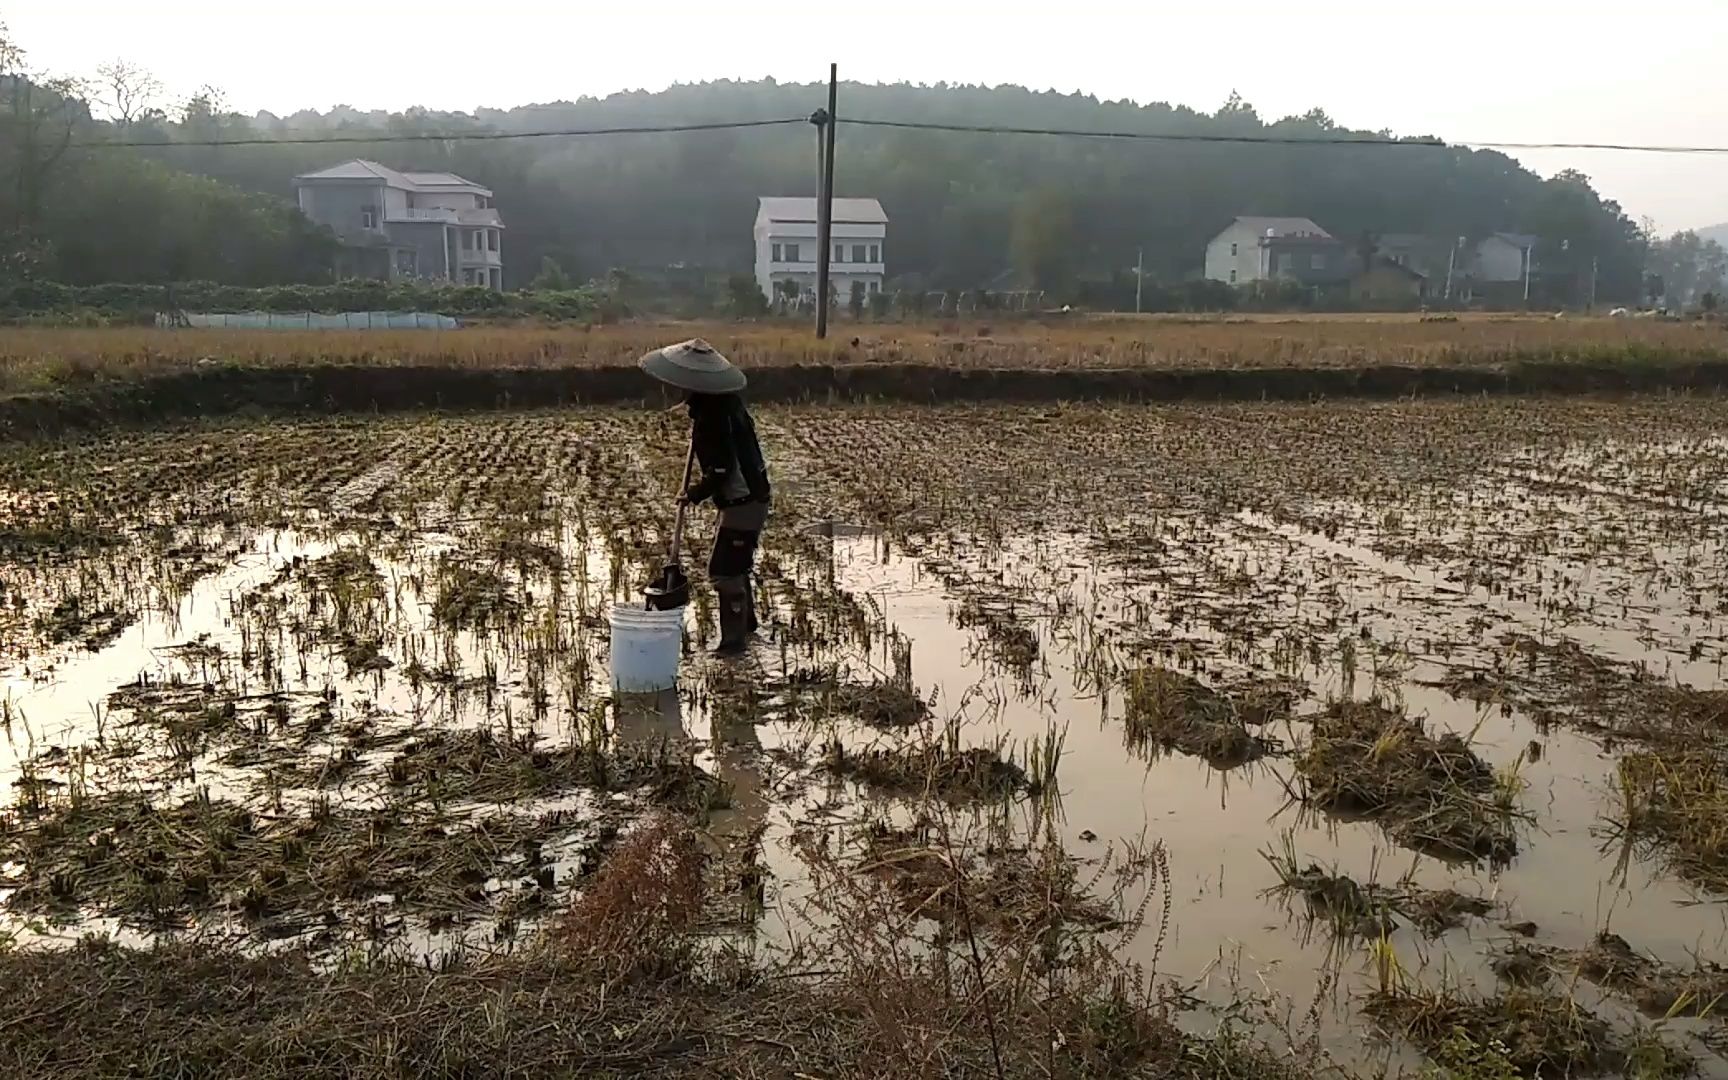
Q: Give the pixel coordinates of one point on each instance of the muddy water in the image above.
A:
(66, 704)
(1223, 596)
(1226, 934)
(69, 729)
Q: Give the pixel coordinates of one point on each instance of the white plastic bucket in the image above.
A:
(646, 646)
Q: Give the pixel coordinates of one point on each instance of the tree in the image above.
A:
(551, 276)
(38, 114)
(1044, 240)
(127, 91)
(1689, 267)
(965, 208)
(744, 297)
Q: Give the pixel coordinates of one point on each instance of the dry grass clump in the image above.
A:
(1522, 1031)
(474, 596)
(1006, 888)
(482, 765)
(883, 704)
(1431, 794)
(93, 625)
(1675, 800)
(1562, 681)
(633, 920)
(756, 697)
(1012, 643)
(182, 1010)
(1658, 989)
(617, 989)
(937, 768)
(162, 866)
(1367, 910)
(1173, 711)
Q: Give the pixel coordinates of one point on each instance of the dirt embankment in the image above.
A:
(224, 390)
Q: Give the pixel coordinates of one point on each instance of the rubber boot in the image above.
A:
(734, 618)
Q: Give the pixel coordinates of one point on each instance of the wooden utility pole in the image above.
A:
(825, 206)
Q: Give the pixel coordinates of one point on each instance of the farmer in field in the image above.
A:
(730, 470)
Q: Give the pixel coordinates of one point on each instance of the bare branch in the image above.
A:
(126, 91)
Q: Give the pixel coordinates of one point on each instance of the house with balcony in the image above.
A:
(400, 226)
(786, 246)
(1276, 248)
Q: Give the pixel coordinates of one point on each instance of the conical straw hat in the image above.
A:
(694, 365)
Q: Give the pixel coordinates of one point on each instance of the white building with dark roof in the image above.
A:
(786, 239)
(1503, 257)
(1264, 248)
(405, 225)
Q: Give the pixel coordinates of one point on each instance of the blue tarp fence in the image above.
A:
(309, 320)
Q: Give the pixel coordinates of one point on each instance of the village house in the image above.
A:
(786, 239)
(1276, 248)
(407, 225)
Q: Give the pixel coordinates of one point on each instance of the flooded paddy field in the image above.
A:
(1361, 736)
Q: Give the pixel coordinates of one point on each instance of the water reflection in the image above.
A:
(648, 719)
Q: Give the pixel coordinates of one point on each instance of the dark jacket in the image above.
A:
(730, 466)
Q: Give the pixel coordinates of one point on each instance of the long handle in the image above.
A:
(678, 524)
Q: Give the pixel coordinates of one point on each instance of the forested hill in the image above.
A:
(965, 207)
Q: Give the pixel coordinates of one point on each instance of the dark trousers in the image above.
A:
(734, 554)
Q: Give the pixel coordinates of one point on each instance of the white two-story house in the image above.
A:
(786, 241)
(404, 225)
(1269, 248)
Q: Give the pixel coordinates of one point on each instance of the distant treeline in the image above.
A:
(968, 210)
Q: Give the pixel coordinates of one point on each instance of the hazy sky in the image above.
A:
(1517, 70)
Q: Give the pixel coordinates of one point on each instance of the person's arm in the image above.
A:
(710, 434)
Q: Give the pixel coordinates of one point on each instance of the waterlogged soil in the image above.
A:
(347, 682)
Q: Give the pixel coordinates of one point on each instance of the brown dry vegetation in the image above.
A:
(1524, 1031)
(1432, 794)
(1172, 711)
(44, 356)
(1147, 498)
(619, 988)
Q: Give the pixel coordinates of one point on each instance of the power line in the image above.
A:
(1279, 140)
(453, 136)
(912, 125)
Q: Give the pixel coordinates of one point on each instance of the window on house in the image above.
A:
(839, 252)
(495, 236)
(467, 240)
(875, 253)
(857, 252)
(792, 253)
(1232, 277)
(1232, 251)
(875, 286)
(368, 217)
(1317, 262)
(774, 253)
(1284, 263)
